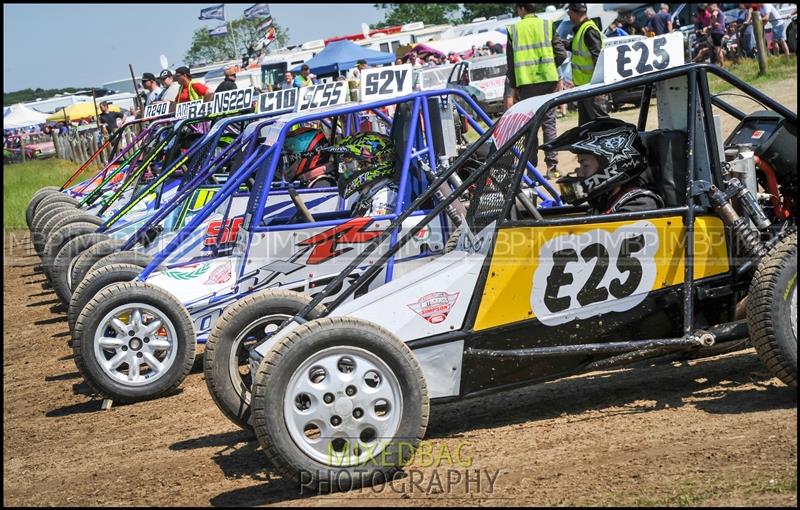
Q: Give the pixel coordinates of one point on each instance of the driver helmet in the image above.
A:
(618, 147)
(363, 159)
(305, 161)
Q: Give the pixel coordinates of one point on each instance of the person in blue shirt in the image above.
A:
(615, 29)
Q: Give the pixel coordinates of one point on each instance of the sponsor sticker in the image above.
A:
(221, 274)
(189, 272)
(758, 133)
(434, 307)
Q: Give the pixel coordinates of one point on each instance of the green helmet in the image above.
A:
(363, 158)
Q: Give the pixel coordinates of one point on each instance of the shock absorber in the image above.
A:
(740, 225)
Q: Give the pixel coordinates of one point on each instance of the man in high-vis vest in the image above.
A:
(586, 45)
(533, 53)
(191, 90)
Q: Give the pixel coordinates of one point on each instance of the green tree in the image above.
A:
(472, 11)
(430, 14)
(205, 48)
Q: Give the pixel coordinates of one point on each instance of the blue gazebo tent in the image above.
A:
(343, 55)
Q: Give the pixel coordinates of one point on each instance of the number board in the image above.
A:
(385, 82)
(156, 110)
(278, 101)
(186, 110)
(320, 96)
(644, 56)
(232, 100)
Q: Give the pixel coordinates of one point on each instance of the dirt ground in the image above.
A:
(719, 431)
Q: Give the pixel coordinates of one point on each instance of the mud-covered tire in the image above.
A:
(328, 342)
(61, 270)
(229, 340)
(772, 310)
(61, 237)
(33, 203)
(37, 236)
(121, 300)
(93, 283)
(87, 259)
(123, 257)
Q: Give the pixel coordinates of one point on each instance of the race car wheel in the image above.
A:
(772, 310)
(57, 197)
(339, 403)
(243, 325)
(34, 202)
(123, 257)
(133, 342)
(94, 282)
(57, 225)
(60, 238)
(61, 270)
(37, 236)
(86, 260)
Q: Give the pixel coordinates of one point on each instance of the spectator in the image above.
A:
(453, 58)
(585, 48)
(303, 79)
(63, 129)
(191, 90)
(229, 82)
(150, 84)
(107, 118)
(494, 49)
(534, 44)
(171, 87)
(398, 62)
(658, 24)
(615, 29)
(355, 74)
(287, 83)
(716, 31)
(745, 37)
(631, 26)
(771, 14)
(701, 26)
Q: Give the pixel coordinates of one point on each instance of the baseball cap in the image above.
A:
(361, 62)
(577, 7)
(104, 103)
(165, 73)
(183, 70)
(148, 76)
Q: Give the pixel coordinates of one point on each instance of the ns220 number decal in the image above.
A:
(600, 271)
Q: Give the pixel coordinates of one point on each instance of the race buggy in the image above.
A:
(289, 238)
(341, 392)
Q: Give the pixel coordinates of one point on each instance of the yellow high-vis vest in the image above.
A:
(582, 64)
(532, 44)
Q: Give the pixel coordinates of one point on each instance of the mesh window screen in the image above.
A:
(492, 188)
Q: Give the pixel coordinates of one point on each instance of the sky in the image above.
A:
(84, 45)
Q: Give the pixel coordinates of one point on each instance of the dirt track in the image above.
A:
(720, 431)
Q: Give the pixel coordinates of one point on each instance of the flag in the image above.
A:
(269, 37)
(257, 11)
(264, 25)
(220, 30)
(213, 12)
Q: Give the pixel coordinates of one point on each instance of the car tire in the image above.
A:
(35, 200)
(87, 259)
(57, 197)
(123, 257)
(394, 369)
(102, 327)
(228, 343)
(62, 237)
(61, 270)
(772, 310)
(93, 283)
(37, 236)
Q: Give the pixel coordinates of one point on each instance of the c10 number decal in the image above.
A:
(645, 63)
(593, 273)
(320, 96)
(285, 99)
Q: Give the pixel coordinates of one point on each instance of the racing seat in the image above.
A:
(666, 171)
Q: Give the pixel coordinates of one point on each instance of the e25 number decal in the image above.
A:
(646, 61)
(597, 272)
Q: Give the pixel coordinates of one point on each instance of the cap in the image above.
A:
(104, 103)
(577, 7)
(361, 62)
(165, 73)
(183, 70)
(148, 76)
(230, 70)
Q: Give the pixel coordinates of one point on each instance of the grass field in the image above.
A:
(778, 68)
(22, 180)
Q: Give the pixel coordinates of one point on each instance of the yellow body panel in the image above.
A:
(506, 296)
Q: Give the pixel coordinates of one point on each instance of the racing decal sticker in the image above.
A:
(509, 125)
(229, 233)
(221, 274)
(758, 133)
(600, 271)
(325, 243)
(385, 82)
(434, 307)
(189, 272)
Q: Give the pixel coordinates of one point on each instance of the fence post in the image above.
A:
(758, 30)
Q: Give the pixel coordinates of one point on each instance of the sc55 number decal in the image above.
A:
(320, 96)
(597, 272)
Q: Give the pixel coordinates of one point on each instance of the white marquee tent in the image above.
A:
(19, 115)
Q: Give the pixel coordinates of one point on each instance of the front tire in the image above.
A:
(772, 310)
(61, 270)
(93, 283)
(134, 342)
(242, 326)
(339, 403)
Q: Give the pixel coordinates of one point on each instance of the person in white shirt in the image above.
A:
(171, 87)
(150, 83)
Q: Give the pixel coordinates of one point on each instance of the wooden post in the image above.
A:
(758, 30)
